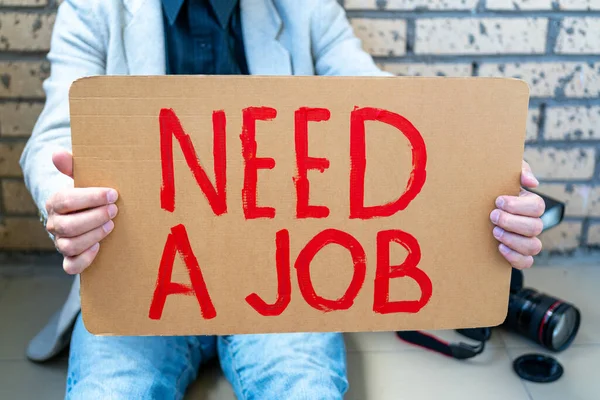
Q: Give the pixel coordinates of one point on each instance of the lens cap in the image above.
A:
(538, 368)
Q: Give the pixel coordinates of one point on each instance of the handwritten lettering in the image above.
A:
(253, 163)
(305, 163)
(169, 127)
(359, 162)
(302, 266)
(284, 282)
(385, 272)
(178, 241)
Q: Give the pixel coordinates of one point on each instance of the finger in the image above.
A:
(72, 247)
(522, 245)
(77, 199)
(518, 261)
(63, 161)
(527, 204)
(76, 224)
(527, 177)
(76, 265)
(525, 226)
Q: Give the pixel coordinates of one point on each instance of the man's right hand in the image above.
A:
(79, 218)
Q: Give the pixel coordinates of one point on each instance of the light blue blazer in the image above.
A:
(125, 37)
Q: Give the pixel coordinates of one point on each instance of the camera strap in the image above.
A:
(459, 350)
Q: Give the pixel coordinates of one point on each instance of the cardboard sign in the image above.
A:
(281, 204)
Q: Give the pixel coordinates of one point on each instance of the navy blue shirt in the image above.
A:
(204, 37)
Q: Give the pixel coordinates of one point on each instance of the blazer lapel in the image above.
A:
(261, 27)
(143, 37)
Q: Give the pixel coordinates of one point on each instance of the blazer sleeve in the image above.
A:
(76, 50)
(336, 49)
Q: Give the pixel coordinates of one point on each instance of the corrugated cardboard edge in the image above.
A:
(83, 85)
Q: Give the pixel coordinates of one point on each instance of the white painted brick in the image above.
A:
(381, 37)
(553, 163)
(574, 5)
(25, 31)
(410, 5)
(481, 36)
(18, 119)
(581, 200)
(579, 36)
(22, 79)
(593, 236)
(570, 79)
(519, 4)
(23, 3)
(421, 69)
(572, 123)
(563, 237)
(532, 125)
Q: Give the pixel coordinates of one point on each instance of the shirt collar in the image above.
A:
(171, 9)
(222, 8)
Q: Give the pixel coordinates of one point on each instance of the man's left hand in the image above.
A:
(518, 223)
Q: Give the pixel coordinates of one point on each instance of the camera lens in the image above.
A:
(565, 328)
(546, 320)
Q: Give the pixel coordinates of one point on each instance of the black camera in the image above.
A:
(548, 321)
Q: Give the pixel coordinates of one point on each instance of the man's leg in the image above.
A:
(133, 367)
(291, 366)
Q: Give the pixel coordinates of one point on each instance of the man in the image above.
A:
(153, 37)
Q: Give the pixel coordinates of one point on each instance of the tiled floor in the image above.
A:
(380, 366)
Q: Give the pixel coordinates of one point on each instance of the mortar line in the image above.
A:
(542, 123)
(410, 37)
(566, 144)
(481, 6)
(474, 68)
(554, 25)
(583, 238)
(40, 10)
(510, 58)
(468, 14)
(23, 55)
(573, 218)
(547, 181)
(13, 139)
(21, 215)
(597, 169)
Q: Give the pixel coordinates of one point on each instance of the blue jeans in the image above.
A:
(272, 366)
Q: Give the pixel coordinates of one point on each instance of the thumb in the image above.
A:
(63, 161)
(528, 180)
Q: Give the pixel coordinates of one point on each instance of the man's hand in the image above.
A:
(79, 218)
(518, 223)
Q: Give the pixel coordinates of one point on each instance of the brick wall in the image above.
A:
(553, 44)
(25, 27)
